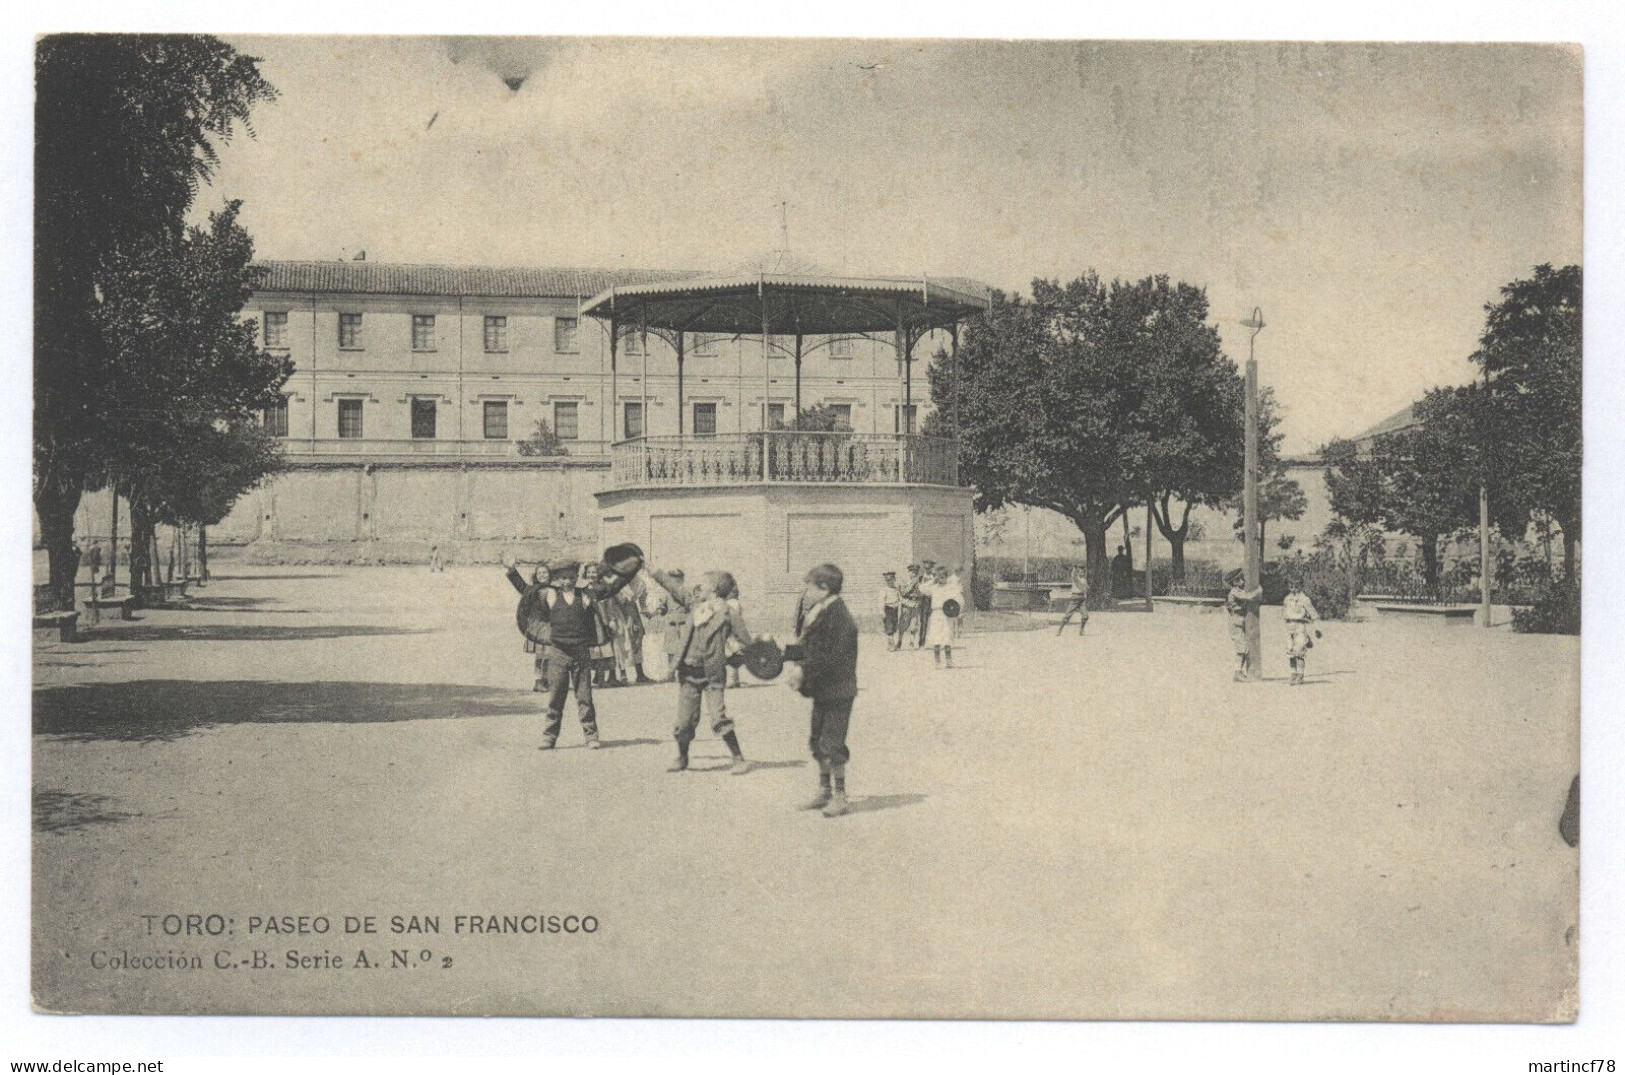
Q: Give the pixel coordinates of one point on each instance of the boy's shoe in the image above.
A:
(594, 744)
(819, 801)
(837, 805)
(1239, 677)
(739, 768)
(547, 744)
(678, 766)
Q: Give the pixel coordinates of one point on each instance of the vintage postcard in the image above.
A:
(952, 529)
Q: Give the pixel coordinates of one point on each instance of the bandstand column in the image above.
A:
(614, 381)
(680, 418)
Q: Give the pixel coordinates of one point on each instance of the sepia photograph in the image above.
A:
(806, 528)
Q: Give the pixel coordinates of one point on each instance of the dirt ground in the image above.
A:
(1102, 826)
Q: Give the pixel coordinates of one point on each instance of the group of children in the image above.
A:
(1298, 611)
(925, 610)
(704, 625)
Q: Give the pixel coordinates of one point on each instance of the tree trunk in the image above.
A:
(203, 554)
(1128, 541)
(140, 547)
(1174, 536)
(1570, 525)
(1430, 563)
(1096, 565)
(55, 505)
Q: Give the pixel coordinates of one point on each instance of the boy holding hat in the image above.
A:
(574, 629)
(713, 618)
(827, 647)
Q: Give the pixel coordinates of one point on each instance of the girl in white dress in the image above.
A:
(944, 622)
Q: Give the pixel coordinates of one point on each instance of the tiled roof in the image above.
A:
(379, 278)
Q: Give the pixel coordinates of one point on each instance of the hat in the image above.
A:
(950, 608)
(1235, 576)
(564, 567)
(763, 659)
(888, 574)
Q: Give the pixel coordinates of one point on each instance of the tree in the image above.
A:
(1192, 410)
(1428, 474)
(126, 130)
(184, 377)
(1530, 354)
(542, 441)
(1279, 497)
(1354, 488)
(821, 418)
(1065, 400)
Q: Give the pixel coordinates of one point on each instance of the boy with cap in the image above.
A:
(1237, 603)
(713, 618)
(827, 647)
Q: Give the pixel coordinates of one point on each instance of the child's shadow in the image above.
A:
(754, 765)
(611, 744)
(866, 803)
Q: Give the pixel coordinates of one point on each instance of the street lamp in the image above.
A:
(1249, 517)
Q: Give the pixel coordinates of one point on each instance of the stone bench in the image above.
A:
(1195, 602)
(1450, 614)
(125, 605)
(66, 624)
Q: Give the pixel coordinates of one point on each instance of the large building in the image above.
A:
(414, 386)
(399, 361)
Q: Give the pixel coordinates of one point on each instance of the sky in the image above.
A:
(1368, 199)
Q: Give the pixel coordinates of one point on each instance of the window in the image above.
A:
(705, 419)
(275, 418)
(631, 342)
(423, 412)
(350, 332)
(423, 332)
(843, 416)
(775, 416)
(350, 419)
(632, 421)
(564, 335)
(496, 419)
(903, 418)
(276, 329)
(566, 422)
(841, 347)
(496, 333)
(705, 345)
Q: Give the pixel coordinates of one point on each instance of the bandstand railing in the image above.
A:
(785, 456)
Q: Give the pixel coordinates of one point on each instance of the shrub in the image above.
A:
(1323, 580)
(1556, 610)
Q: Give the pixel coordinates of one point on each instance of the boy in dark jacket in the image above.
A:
(827, 647)
(713, 618)
(573, 630)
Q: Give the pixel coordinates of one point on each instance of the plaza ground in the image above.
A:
(1099, 827)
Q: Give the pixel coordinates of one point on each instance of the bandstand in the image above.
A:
(768, 505)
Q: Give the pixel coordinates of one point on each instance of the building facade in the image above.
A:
(397, 361)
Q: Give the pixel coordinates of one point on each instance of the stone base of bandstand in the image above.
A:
(769, 535)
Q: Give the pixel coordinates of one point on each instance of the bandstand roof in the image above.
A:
(794, 296)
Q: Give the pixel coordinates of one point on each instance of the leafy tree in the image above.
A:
(185, 375)
(1083, 399)
(542, 441)
(126, 130)
(1193, 412)
(1530, 352)
(821, 418)
(1354, 488)
(1429, 486)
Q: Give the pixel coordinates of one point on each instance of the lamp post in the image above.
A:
(1250, 520)
(1485, 568)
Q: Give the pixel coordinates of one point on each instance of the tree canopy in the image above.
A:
(1092, 396)
(138, 339)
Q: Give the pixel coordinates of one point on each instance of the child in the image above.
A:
(944, 620)
(1299, 613)
(603, 654)
(540, 577)
(1080, 600)
(672, 619)
(827, 647)
(890, 599)
(910, 616)
(713, 618)
(573, 630)
(1237, 603)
